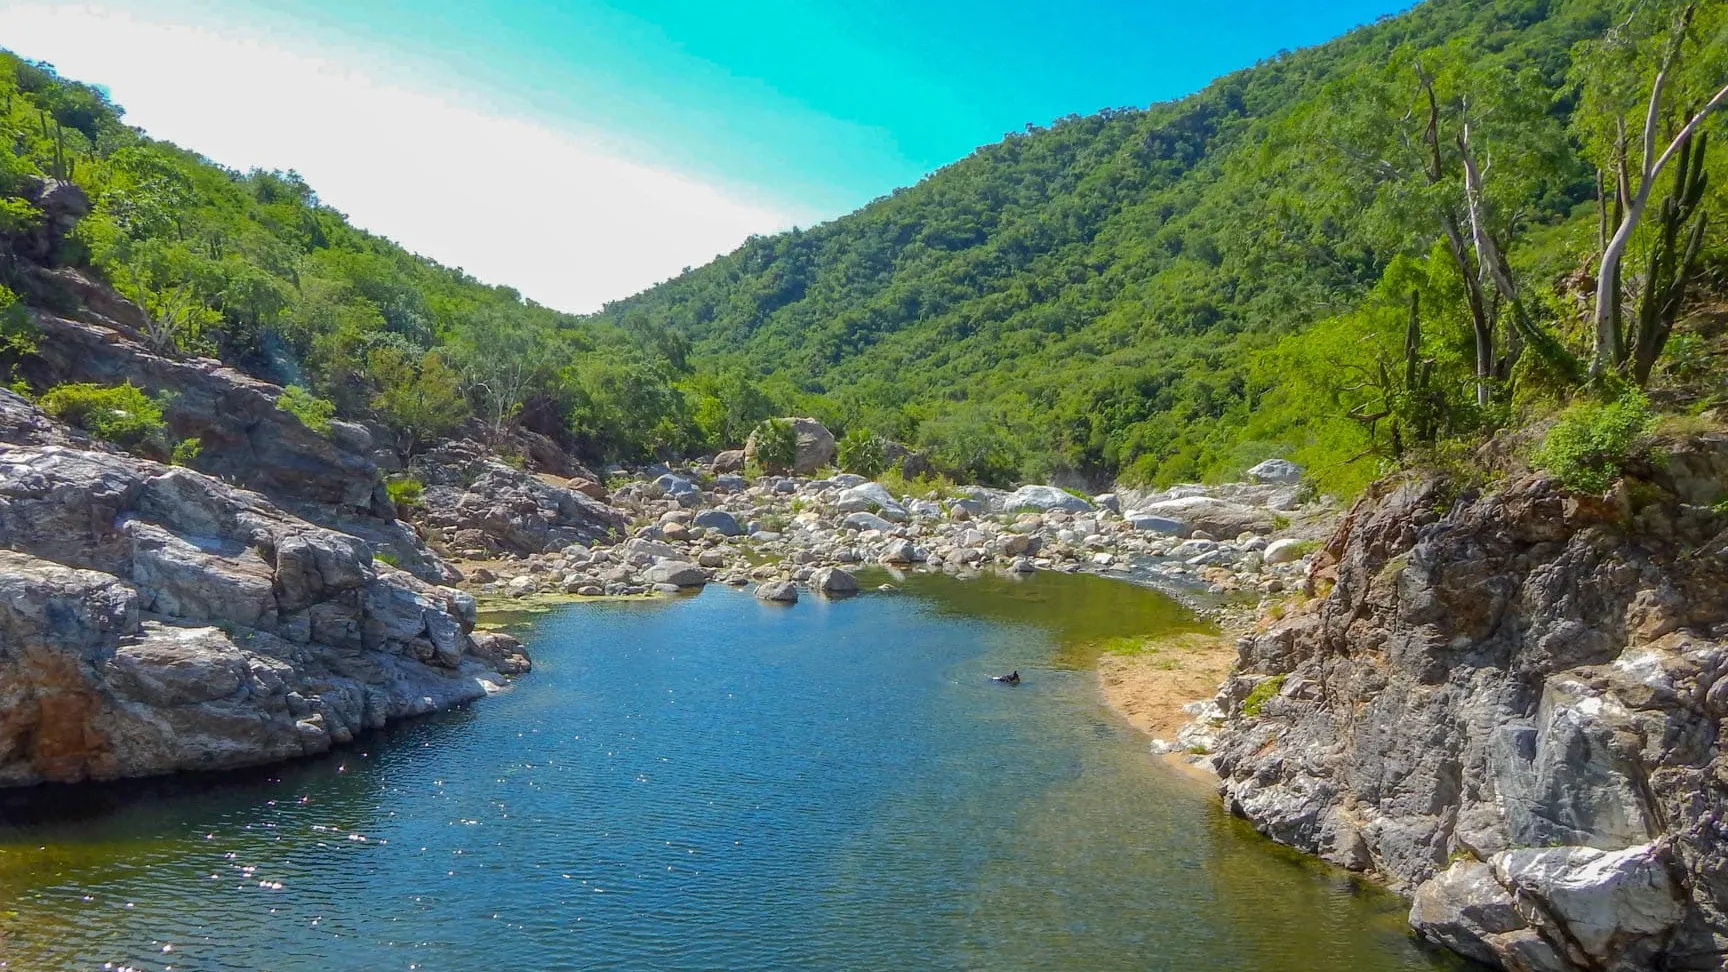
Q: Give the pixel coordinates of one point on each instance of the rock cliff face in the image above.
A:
(1509, 705)
(154, 618)
(245, 437)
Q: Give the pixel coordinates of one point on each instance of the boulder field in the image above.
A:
(695, 524)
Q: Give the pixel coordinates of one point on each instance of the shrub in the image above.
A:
(313, 412)
(18, 333)
(934, 486)
(776, 445)
(862, 453)
(185, 451)
(1261, 694)
(404, 491)
(1593, 442)
(121, 414)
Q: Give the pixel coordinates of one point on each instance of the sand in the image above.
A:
(1149, 688)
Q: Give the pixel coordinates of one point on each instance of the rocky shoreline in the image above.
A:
(1503, 703)
(694, 527)
(1506, 704)
(155, 619)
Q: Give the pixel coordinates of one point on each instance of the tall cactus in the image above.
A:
(1673, 258)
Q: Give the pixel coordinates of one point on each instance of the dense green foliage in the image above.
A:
(861, 452)
(121, 414)
(1380, 247)
(1180, 292)
(1592, 443)
(1263, 692)
(313, 412)
(253, 268)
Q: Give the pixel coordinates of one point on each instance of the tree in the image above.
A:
(1684, 54)
(504, 359)
(420, 399)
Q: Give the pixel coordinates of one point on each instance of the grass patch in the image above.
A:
(1262, 693)
(405, 491)
(1175, 643)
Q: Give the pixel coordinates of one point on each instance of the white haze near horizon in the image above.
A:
(511, 201)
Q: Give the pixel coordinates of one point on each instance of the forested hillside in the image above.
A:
(1384, 246)
(1179, 292)
(252, 268)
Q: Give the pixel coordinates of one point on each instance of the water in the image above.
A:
(712, 783)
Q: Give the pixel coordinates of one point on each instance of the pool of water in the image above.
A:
(712, 783)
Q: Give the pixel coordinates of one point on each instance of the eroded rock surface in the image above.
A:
(154, 619)
(480, 506)
(1509, 705)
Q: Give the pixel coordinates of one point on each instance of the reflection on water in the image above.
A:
(711, 783)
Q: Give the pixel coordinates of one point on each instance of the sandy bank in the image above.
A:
(1149, 687)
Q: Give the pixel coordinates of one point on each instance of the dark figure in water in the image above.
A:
(1012, 678)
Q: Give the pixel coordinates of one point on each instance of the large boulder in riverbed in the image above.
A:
(816, 446)
(1280, 471)
(865, 521)
(833, 581)
(678, 573)
(1220, 518)
(1044, 499)
(1157, 524)
(871, 498)
(719, 521)
(777, 591)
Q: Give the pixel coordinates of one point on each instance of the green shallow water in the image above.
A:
(714, 783)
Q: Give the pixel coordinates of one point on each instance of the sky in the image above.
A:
(581, 150)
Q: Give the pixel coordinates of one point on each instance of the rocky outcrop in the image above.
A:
(245, 438)
(1509, 706)
(478, 506)
(154, 619)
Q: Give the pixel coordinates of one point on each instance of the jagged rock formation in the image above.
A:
(481, 507)
(245, 437)
(154, 618)
(1509, 705)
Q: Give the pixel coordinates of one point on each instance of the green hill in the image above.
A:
(1114, 293)
(1295, 261)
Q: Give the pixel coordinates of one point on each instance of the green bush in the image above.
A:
(862, 453)
(121, 414)
(18, 332)
(1590, 446)
(776, 445)
(1262, 693)
(185, 451)
(313, 412)
(404, 491)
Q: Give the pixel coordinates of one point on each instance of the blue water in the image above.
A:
(701, 783)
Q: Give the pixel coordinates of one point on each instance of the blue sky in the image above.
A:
(623, 141)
